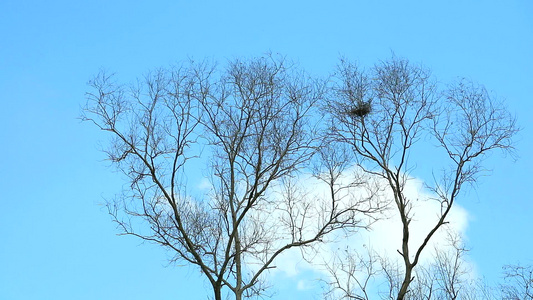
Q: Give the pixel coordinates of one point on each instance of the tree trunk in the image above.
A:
(238, 266)
(217, 289)
(405, 284)
(238, 295)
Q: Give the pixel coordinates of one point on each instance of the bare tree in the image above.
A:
(450, 268)
(518, 282)
(447, 279)
(351, 274)
(254, 127)
(385, 114)
(447, 275)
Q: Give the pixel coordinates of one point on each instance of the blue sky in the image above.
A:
(56, 240)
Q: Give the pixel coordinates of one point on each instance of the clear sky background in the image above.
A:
(56, 239)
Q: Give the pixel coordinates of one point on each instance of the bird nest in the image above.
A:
(362, 109)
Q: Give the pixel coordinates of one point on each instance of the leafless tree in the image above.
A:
(446, 277)
(351, 274)
(450, 268)
(254, 127)
(387, 114)
(518, 282)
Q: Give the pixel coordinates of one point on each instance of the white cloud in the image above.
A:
(204, 184)
(304, 285)
(385, 236)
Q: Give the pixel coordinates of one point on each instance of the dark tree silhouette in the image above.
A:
(406, 108)
(254, 126)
